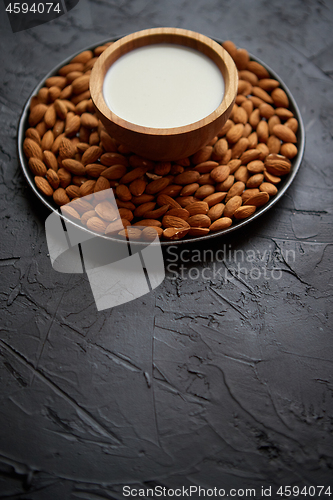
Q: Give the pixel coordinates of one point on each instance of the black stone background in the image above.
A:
(220, 382)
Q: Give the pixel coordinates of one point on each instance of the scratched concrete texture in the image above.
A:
(220, 377)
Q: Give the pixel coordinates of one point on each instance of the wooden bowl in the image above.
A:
(165, 144)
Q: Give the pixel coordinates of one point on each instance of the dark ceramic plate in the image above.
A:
(283, 186)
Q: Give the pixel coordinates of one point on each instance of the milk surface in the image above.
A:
(163, 86)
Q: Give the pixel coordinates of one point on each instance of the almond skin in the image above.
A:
(174, 222)
(220, 173)
(60, 197)
(244, 212)
(198, 207)
(284, 133)
(221, 224)
(37, 167)
(43, 186)
(74, 166)
(31, 149)
(216, 211)
(187, 177)
(232, 205)
(258, 200)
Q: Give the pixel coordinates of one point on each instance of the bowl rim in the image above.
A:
(296, 162)
(135, 40)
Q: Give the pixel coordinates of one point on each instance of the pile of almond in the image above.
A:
(71, 157)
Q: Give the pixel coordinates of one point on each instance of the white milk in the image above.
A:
(163, 86)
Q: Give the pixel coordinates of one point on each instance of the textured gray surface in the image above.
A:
(224, 380)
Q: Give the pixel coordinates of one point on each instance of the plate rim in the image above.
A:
(23, 122)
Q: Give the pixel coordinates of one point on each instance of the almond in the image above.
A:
(81, 84)
(255, 181)
(37, 167)
(137, 187)
(72, 191)
(244, 212)
(268, 84)
(216, 211)
(50, 116)
(187, 177)
(288, 150)
(198, 231)
(150, 233)
(226, 185)
(172, 190)
(221, 224)
(60, 197)
(239, 148)
(87, 188)
(91, 155)
(199, 220)
(66, 148)
(64, 177)
(202, 155)
(143, 198)
(172, 233)
(277, 164)
(273, 144)
(145, 207)
(205, 167)
(174, 222)
(37, 114)
(125, 213)
(97, 225)
(114, 172)
(95, 169)
(107, 211)
(89, 121)
(235, 190)
(214, 198)
(31, 149)
(189, 189)
(235, 133)
(149, 223)
(158, 212)
(164, 199)
(232, 205)
(249, 155)
(60, 108)
(179, 212)
(83, 57)
(258, 200)
(220, 173)
(262, 131)
(52, 178)
(33, 134)
(257, 69)
(102, 184)
(74, 166)
(157, 185)
(204, 191)
(280, 98)
(198, 207)
(43, 186)
(284, 133)
(57, 81)
(81, 205)
(274, 179)
(240, 115)
(72, 126)
(269, 188)
(293, 124)
(242, 174)
(123, 193)
(70, 212)
(262, 94)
